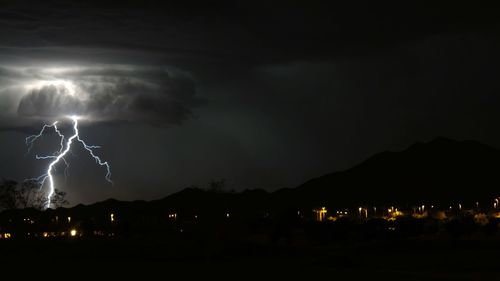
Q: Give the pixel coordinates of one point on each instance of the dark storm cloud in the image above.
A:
(151, 96)
(235, 35)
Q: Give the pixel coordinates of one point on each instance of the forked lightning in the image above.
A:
(47, 179)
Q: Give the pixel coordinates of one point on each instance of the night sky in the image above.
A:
(263, 95)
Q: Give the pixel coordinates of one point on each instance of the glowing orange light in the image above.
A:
(320, 213)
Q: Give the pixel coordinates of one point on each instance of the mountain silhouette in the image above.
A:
(442, 171)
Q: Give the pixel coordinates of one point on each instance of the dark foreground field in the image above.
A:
(450, 259)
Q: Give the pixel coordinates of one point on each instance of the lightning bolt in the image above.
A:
(58, 157)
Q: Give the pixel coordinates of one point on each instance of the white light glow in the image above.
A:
(70, 86)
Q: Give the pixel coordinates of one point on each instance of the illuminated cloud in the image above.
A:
(50, 101)
(109, 93)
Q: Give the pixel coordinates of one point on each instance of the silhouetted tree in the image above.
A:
(7, 194)
(217, 185)
(27, 194)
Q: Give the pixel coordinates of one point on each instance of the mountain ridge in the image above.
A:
(440, 171)
(434, 165)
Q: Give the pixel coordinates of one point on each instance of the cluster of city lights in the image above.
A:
(420, 211)
(71, 232)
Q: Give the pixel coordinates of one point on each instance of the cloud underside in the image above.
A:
(155, 96)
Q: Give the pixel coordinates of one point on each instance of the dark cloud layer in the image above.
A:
(236, 32)
(283, 92)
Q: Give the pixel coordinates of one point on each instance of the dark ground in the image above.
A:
(450, 259)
